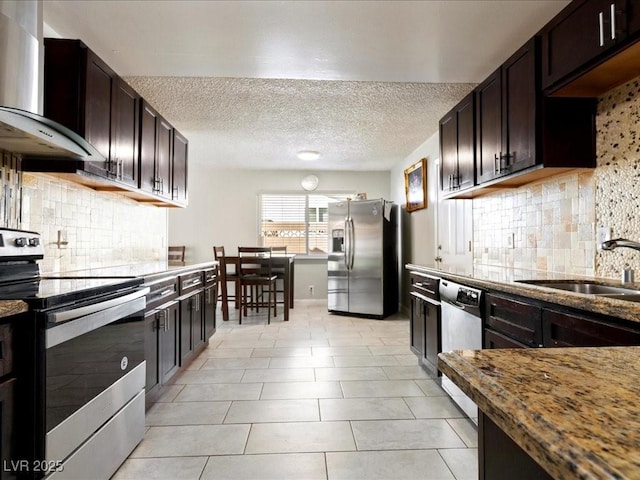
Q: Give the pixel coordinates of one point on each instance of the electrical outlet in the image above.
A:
(602, 235)
(311, 287)
(510, 240)
(62, 239)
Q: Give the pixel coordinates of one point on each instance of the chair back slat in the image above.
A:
(175, 254)
(254, 262)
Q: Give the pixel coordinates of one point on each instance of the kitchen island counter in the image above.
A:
(574, 411)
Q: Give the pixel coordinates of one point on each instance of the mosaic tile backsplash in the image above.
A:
(102, 229)
(554, 221)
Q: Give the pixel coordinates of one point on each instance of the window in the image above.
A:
(297, 221)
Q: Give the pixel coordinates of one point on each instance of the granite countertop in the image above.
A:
(573, 410)
(12, 307)
(505, 279)
(138, 270)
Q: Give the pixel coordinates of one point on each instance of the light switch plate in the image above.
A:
(602, 235)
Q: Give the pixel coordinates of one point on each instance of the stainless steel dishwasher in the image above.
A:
(461, 330)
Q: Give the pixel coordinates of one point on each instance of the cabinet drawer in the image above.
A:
(161, 291)
(190, 282)
(210, 276)
(516, 319)
(425, 285)
(569, 330)
(6, 349)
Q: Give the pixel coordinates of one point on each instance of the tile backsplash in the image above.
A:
(102, 229)
(554, 221)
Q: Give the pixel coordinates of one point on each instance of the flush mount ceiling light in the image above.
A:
(308, 155)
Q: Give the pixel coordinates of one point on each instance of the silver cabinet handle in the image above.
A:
(613, 21)
(601, 28)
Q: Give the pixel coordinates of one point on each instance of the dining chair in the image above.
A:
(228, 274)
(254, 264)
(279, 271)
(175, 255)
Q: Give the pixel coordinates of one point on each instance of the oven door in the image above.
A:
(92, 393)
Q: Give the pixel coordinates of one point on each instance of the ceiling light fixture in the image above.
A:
(308, 155)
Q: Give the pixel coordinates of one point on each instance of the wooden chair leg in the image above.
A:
(225, 302)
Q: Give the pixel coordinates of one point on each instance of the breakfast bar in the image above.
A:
(553, 412)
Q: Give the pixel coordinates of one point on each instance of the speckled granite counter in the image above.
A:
(573, 410)
(137, 270)
(12, 307)
(505, 280)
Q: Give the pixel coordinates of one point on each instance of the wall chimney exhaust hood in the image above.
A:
(35, 137)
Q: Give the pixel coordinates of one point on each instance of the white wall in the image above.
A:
(223, 211)
(417, 229)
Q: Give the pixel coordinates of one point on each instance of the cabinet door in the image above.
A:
(149, 119)
(151, 349)
(433, 335)
(466, 142)
(179, 181)
(100, 87)
(209, 311)
(488, 127)
(125, 129)
(198, 322)
(417, 326)
(186, 328)
(7, 425)
(448, 151)
(570, 330)
(580, 34)
(169, 341)
(520, 107)
(164, 154)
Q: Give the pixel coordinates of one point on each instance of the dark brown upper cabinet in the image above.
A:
(84, 94)
(163, 157)
(591, 47)
(126, 134)
(179, 171)
(506, 116)
(457, 153)
(521, 135)
(79, 90)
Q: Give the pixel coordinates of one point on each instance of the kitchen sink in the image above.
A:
(590, 288)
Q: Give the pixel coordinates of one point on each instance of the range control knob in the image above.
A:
(34, 241)
(20, 242)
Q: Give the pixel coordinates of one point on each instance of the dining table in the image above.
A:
(280, 261)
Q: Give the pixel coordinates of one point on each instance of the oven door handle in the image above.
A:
(64, 315)
(127, 305)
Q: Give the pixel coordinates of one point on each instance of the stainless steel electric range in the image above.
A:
(81, 350)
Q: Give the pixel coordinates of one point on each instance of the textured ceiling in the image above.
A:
(250, 83)
(263, 122)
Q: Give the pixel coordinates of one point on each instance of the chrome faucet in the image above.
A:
(620, 242)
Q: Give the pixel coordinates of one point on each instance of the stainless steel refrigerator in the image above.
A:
(363, 258)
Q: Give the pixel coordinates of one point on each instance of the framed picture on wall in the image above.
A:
(415, 185)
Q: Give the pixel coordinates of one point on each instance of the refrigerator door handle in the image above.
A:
(347, 243)
(352, 241)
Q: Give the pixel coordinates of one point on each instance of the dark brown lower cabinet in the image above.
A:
(499, 457)
(162, 329)
(433, 337)
(417, 326)
(494, 339)
(562, 329)
(209, 311)
(7, 428)
(189, 310)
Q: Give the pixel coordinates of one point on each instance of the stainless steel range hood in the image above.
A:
(22, 130)
(33, 136)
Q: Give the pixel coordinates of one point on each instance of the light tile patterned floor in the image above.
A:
(320, 397)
